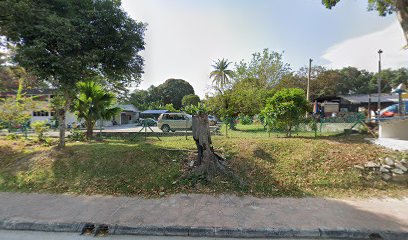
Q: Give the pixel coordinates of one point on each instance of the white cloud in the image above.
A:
(361, 52)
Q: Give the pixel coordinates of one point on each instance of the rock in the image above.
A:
(400, 178)
(386, 177)
(384, 170)
(386, 166)
(161, 193)
(397, 171)
(359, 167)
(400, 166)
(191, 164)
(389, 161)
(404, 161)
(371, 164)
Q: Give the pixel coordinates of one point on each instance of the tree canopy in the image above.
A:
(67, 41)
(190, 99)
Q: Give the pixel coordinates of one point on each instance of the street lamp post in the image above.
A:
(379, 82)
(308, 80)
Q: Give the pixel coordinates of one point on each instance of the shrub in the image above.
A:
(285, 110)
(77, 135)
(245, 120)
(40, 127)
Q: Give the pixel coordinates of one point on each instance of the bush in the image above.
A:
(285, 110)
(40, 127)
(77, 135)
(245, 120)
(13, 136)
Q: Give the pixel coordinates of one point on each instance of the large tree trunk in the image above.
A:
(89, 130)
(62, 117)
(207, 161)
(402, 14)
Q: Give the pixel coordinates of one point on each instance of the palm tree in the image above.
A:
(94, 103)
(221, 74)
(221, 77)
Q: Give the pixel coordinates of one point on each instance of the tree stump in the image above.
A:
(208, 162)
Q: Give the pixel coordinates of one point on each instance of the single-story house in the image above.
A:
(355, 102)
(44, 111)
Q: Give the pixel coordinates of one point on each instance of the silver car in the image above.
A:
(174, 121)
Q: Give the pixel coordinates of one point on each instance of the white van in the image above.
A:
(174, 121)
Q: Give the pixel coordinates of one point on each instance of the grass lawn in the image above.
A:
(271, 166)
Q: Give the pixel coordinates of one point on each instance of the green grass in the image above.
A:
(271, 166)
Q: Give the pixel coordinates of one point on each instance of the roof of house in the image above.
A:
(128, 107)
(154, 111)
(364, 98)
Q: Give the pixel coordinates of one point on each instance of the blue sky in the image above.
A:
(184, 37)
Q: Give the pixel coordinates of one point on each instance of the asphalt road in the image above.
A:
(28, 235)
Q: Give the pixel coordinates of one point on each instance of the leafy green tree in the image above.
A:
(190, 99)
(384, 7)
(94, 103)
(64, 42)
(248, 97)
(266, 66)
(15, 111)
(40, 127)
(285, 109)
(172, 91)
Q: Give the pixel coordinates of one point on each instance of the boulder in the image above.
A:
(400, 166)
(389, 161)
(386, 166)
(397, 171)
(359, 167)
(400, 178)
(371, 164)
(386, 177)
(384, 170)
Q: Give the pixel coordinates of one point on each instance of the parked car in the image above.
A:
(174, 121)
(212, 120)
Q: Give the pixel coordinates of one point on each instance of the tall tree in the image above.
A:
(221, 75)
(266, 66)
(384, 7)
(94, 103)
(190, 99)
(172, 91)
(67, 41)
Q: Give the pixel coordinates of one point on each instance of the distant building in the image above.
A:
(43, 109)
(355, 102)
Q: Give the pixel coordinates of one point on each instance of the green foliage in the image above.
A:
(77, 135)
(198, 109)
(13, 136)
(67, 41)
(93, 103)
(190, 99)
(266, 66)
(245, 119)
(221, 74)
(285, 109)
(40, 127)
(15, 111)
(172, 91)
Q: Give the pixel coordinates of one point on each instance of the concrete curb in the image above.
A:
(319, 233)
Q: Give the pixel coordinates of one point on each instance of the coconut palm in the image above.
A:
(94, 103)
(221, 74)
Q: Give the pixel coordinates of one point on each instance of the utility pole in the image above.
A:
(308, 80)
(379, 82)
